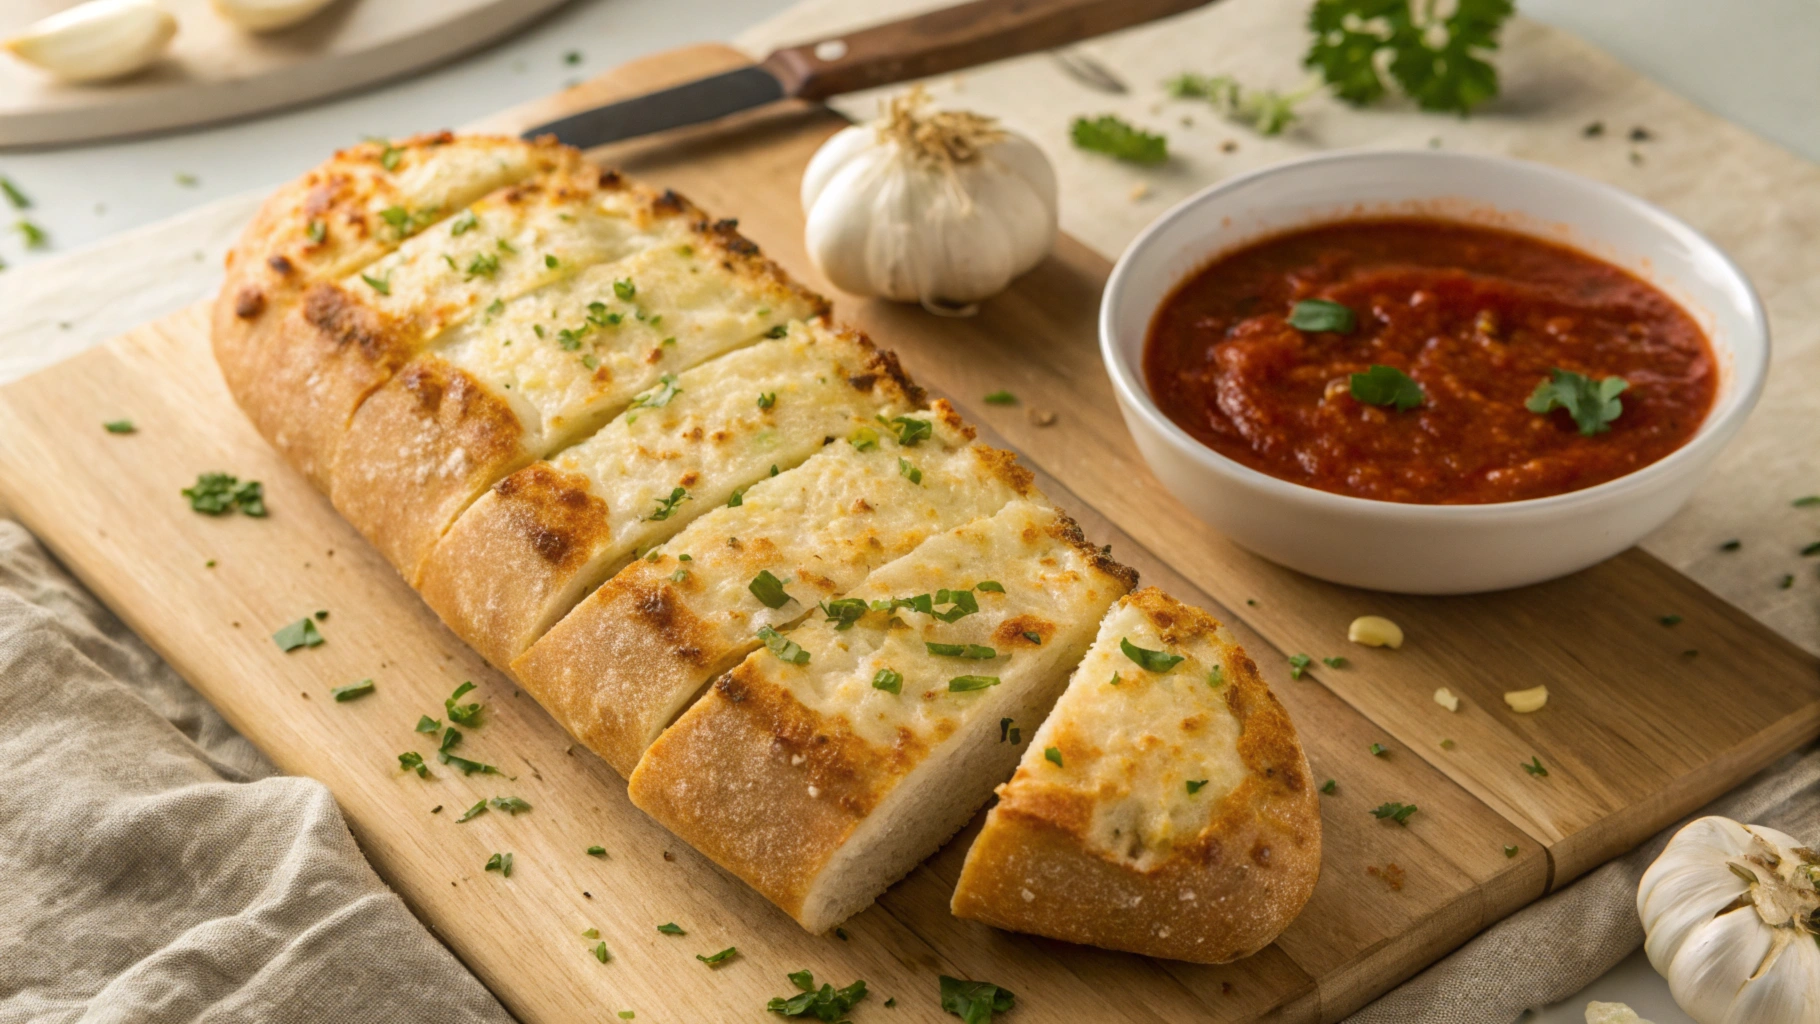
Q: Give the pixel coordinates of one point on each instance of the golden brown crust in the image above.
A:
(1222, 895)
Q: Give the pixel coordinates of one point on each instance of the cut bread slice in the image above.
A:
(628, 660)
(312, 367)
(531, 547)
(1163, 808)
(536, 373)
(825, 767)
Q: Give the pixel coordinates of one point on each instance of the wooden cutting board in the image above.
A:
(214, 71)
(1638, 732)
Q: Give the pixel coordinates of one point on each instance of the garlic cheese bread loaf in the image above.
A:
(1164, 807)
(629, 658)
(828, 764)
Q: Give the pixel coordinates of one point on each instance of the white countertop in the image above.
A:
(1750, 61)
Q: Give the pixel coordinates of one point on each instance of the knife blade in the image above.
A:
(929, 44)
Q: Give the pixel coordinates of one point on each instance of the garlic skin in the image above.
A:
(943, 208)
(1729, 911)
(96, 41)
(268, 15)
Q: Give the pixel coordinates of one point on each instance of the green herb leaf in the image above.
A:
(989, 587)
(352, 691)
(35, 236)
(1510, 851)
(16, 198)
(502, 863)
(382, 285)
(1378, 750)
(1194, 786)
(1396, 812)
(844, 611)
(1053, 755)
(427, 724)
(1298, 664)
(767, 399)
(1806, 501)
(473, 812)
(974, 1002)
(1329, 786)
(666, 507)
(659, 396)
(1033, 636)
(908, 471)
(464, 223)
(786, 650)
(389, 157)
(1117, 138)
(510, 804)
(625, 289)
(1534, 767)
(601, 954)
(464, 714)
(888, 680)
(1670, 620)
(1001, 397)
(1436, 61)
(672, 928)
(911, 430)
(1592, 404)
(963, 684)
(1151, 661)
(864, 439)
(1387, 385)
(551, 261)
(219, 493)
(317, 231)
(778, 331)
(769, 590)
(1322, 315)
(737, 498)
(115, 426)
(412, 761)
(1731, 545)
(827, 1003)
(1335, 662)
(1216, 676)
(597, 851)
(715, 959)
(302, 633)
(977, 652)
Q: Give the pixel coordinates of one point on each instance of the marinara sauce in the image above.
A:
(1476, 316)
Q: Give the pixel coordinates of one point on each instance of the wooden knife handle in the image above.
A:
(953, 38)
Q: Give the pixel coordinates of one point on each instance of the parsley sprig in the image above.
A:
(974, 1002)
(1437, 61)
(1592, 404)
(1118, 139)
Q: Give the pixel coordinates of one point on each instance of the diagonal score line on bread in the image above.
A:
(529, 376)
(627, 660)
(819, 787)
(528, 551)
(1110, 846)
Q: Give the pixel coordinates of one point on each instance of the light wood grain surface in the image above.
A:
(1622, 758)
(215, 71)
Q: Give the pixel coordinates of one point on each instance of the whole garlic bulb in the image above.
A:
(1730, 914)
(96, 41)
(939, 207)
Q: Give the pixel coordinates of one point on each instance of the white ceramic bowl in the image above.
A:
(1431, 549)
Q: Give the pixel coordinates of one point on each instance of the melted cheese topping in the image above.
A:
(824, 525)
(1132, 746)
(577, 351)
(710, 437)
(1051, 589)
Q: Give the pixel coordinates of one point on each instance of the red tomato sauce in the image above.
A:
(1476, 316)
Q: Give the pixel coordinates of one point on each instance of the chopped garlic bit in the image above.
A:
(1446, 699)
(1525, 701)
(1375, 631)
(1139, 191)
(1611, 1013)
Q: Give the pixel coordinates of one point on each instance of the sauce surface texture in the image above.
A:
(1477, 316)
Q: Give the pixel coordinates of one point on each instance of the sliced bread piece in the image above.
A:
(533, 374)
(525, 553)
(628, 660)
(824, 768)
(1164, 807)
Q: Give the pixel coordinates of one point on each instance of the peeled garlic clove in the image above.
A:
(268, 15)
(1446, 699)
(96, 41)
(1525, 701)
(1375, 631)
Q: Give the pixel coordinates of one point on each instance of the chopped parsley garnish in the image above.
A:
(659, 396)
(1670, 620)
(115, 426)
(767, 399)
(785, 649)
(217, 494)
(412, 761)
(826, 1003)
(911, 430)
(989, 587)
(496, 307)
(572, 57)
(625, 289)
(666, 507)
(963, 684)
(502, 863)
(1216, 676)
(888, 680)
(18, 199)
(1322, 315)
(1396, 812)
(1731, 545)
(777, 331)
(679, 575)
(1534, 767)
(1806, 501)
(509, 804)
(1335, 662)
(551, 261)
(1194, 785)
(1151, 661)
(1436, 61)
(1298, 664)
(352, 691)
(715, 959)
(1329, 786)
(601, 954)
(35, 236)
(1266, 110)
(463, 224)
(844, 611)
(484, 264)
(302, 633)
(977, 652)
(1001, 397)
(1115, 680)
(427, 724)
(1118, 139)
(1378, 749)
(389, 157)
(1592, 404)
(672, 928)
(623, 1014)
(464, 714)
(864, 439)
(908, 471)
(737, 498)
(597, 851)
(1510, 851)
(382, 285)
(1387, 385)
(317, 231)
(1053, 755)
(1811, 550)
(1787, 581)
(769, 590)
(450, 739)
(473, 812)
(974, 1002)
(1033, 636)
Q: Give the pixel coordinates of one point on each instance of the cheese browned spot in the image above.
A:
(820, 788)
(627, 660)
(1183, 788)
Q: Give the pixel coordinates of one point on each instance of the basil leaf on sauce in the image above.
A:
(1592, 404)
(1322, 315)
(1387, 385)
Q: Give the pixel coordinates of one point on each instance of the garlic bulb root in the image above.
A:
(96, 41)
(1732, 914)
(939, 207)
